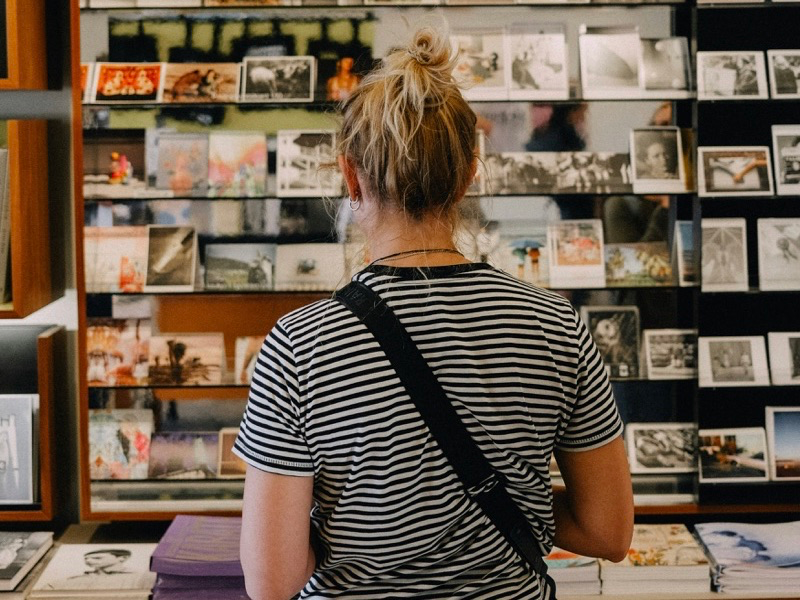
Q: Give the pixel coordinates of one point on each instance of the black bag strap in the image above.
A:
(483, 483)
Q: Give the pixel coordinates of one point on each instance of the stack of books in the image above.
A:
(198, 558)
(574, 575)
(662, 559)
(20, 552)
(752, 558)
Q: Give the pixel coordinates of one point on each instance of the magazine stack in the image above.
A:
(752, 558)
(574, 575)
(662, 559)
(198, 558)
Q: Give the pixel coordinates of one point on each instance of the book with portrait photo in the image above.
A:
(783, 438)
(117, 351)
(235, 266)
(724, 255)
(778, 254)
(171, 258)
(736, 455)
(657, 161)
(237, 164)
(786, 154)
(119, 443)
(615, 331)
(734, 171)
(611, 62)
(670, 353)
(183, 455)
(125, 83)
(309, 267)
(638, 264)
(17, 449)
(19, 553)
(536, 63)
(307, 165)
(480, 64)
(731, 75)
(784, 357)
(278, 79)
(661, 447)
(667, 68)
(575, 254)
(187, 359)
(784, 73)
(115, 259)
(731, 361)
(182, 165)
(229, 466)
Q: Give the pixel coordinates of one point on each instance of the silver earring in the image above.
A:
(355, 204)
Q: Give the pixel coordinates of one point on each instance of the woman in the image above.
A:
(329, 431)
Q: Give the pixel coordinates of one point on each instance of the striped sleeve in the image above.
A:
(271, 436)
(594, 420)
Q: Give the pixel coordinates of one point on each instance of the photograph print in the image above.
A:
(615, 331)
(670, 353)
(201, 82)
(116, 351)
(730, 361)
(117, 83)
(784, 357)
(278, 79)
(783, 436)
(187, 359)
(575, 253)
(731, 75)
(786, 154)
(183, 164)
(661, 447)
(537, 64)
(479, 68)
(309, 267)
(666, 67)
(779, 254)
(784, 73)
(734, 171)
(657, 158)
(119, 443)
(229, 466)
(237, 164)
(16, 449)
(723, 265)
(638, 264)
(183, 455)
(307, 165)
(732, 455)
(610, 62)
(171, 258)
(239, 266)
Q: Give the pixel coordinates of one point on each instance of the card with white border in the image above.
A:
(661, 447)
(536, 63)
(732, 361)
(575, 254)
(784, 357)
(783, 437)
(670, 353)
(786, 157)
(731, 75)
(736, 455)
(306, 164)
(480, 64)
(723, 265)
(778, 254)
(278, 79)
(667, 68)
(615, 331)
(784, 72)
(657, 160)
(611, 62)
(171, 258)
(734, 171)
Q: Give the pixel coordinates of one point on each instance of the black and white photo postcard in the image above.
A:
(278, 79)
(615, 330)
(575, 254)
(731, 361)
(16, 449)
(20, 551)
(667, 68)
(736, 455)
(201, 82)
(784, 73)
(480, 64)
(783, 437)
(239, 266)
(610, 62)
(183, 164)
(307, 165)
(309, 267)
(657, 161)
(731, 75)
(171, 258)
(536, 63)
(661, 447)
(784, 357)
(779, 254)
(734, 171)
(786, 154)
(723, 265)
(670, 353)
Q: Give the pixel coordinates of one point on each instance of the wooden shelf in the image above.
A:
(24, 65)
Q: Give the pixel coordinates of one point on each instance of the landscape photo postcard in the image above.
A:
(246, 352)
(480, 64)
(615, 330)
(115, 259)
(723, 265)
(732, 455)
(119, 443)
(127, 82)
(661, 447)
(536, 63)
(731, 75)
(17, 467)
(183, 455)
(183, 163)
(734, 171)
(666, 66)
(784, 357)
(732, 361)
(229, 466)
(610, 62)
(201, 82)
(278, 79)
(237, 164)
(670, 353)
(239, 266)
(309, 267)
(187, 359)
(575, 253)
(783, 436)
(786, 154)
(117, 351)
(640, 264)
(171, 258)
(778, 254)
(307, 165)
(784, 73)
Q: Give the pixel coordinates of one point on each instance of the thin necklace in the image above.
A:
(406, 253)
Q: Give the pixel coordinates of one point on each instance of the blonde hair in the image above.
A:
(409, 132)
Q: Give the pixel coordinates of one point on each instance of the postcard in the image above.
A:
(734, 171)
(575, 254)
(115, 259)
(610, 62)
(183, 163)
(731, 361)
(536, 63)
(171, 258)
(779, 254)
(239, 266)
(17, 449)
(87, 79)
(480, 64)
(117, 351)
(201, 82)
(667, 68)
(731, 75)
(183, 455)
(278, 79)
(661, 447)
(642, 264)
(237, 164)
(685, 256)
(670, 353)
(187, 359)
(784, 357)
(615, 331)
(523, 257)
(307, 165)
(658, 162)
(732, 455)
(784, 73)
(783, 436)
(229, 466)
(246, 355)
(309, 267)
(724, 255)
(119, 443)
(786, 149)
(127, 82)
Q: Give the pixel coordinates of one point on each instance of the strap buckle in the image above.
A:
(484, 486)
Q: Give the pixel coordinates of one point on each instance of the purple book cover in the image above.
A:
(165, 581)
(199, 545)
(200, 594)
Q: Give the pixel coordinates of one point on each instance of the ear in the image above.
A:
(350, 177)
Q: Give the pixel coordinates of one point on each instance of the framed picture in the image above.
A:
(615, 330)
(732, 455)
(610, 62)
(784, 357)
(670, 353)
(246, 355)
(657, 160)
(127, 83)
(667, 68)
(779, 254)
(480, 64)
(278, 79)
(730, 361)
(786, 154)
(536, 63)
(171, 258)
(734, 171)
(661, 447)
(307, 165)
(783, 437)
(731, 75)
(201, 82)
(784, 73)
(575, 254)
(723, 265)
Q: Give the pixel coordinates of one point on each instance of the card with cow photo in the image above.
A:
(731, 361)
(667, 68)
(670, 353)
(736, 455)
(784, 357)
(784, 73)
(610, 62)
(278, 79)
(201, 82)
(661, 447)
(786, 154)
(779, 254)
(723, 265)
(239, 266)
(536, 63)
(125, 83)
(658, 164)
(734, 171)
(783, 437)
(731, 75)
(480, 64)
(307, 164)
(575, 254)
(615, 330)
(171, 258)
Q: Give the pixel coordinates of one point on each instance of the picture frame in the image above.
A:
(784, 357)
(670, 353)
(734, 171)
(278, 79)
(786, 157)
(736, 455)
(638, 264)
(536, 63)
(611, 62)
(659, 448)
(731, 75)
(666, 65)
(784, 73)
(778, 254)
(117, 351)
(128, 83)
(616, 333)
(732, 361)
(480, 68)
(723, 265)
(246, 350)
(171, 258)
(657, 160)
(575, 253)
(182, 166)
(783, 438)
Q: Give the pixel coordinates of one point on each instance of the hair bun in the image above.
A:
(430, 49)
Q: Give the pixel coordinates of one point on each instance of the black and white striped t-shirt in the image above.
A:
(521, 370)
